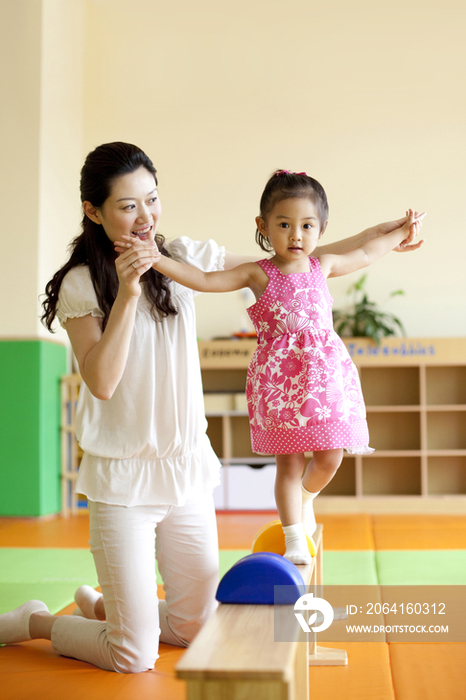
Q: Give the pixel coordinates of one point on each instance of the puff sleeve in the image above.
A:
(77, 296)
(206, 255)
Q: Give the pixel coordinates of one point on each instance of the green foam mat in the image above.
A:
(50, 575)
(228, 557)
(342, 568)
(53, 575)
(439, 567)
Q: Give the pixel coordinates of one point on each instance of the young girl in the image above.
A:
(303, 390)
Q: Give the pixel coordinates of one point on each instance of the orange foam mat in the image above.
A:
(366, 677)
(237, 530)
(41, 532)
(344, 532)
(429, 671)
(354, 531)
(419, 531)
(35, 671)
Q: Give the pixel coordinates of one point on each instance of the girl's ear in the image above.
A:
(261, 225)
(322, 230)
(91, 212)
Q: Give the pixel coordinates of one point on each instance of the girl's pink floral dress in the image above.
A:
(303, 390)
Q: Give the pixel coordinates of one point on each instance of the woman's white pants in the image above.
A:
(125, 542)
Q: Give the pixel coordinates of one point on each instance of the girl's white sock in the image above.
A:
(14, 626)
(86, 597)
(297, 550)
(307, 512)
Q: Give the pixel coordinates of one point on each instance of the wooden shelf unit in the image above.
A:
(70, 451)
(415, 394)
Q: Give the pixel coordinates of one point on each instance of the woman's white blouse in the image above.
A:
(147, 445)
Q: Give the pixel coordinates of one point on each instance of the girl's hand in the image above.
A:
(407, 244)
(135, 258)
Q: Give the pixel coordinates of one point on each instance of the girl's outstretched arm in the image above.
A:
(368, 252)
(243, 271)
(245, 275)
(348, 244)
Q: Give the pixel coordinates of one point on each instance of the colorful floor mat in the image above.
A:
(359, 549)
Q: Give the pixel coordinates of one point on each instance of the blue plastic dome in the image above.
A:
(252, 579)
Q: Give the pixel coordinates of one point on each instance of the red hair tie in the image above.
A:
(288, 172)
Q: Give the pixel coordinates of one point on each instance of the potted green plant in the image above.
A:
(364, 319)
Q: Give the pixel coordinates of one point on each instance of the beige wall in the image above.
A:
(368, 98)
(61, 134)
(41, 142)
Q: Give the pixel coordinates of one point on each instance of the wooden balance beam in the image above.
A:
(235, 657)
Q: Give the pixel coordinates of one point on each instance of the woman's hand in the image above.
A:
(135, 258)
(102, 355)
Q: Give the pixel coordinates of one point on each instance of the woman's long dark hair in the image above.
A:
(93, 248)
